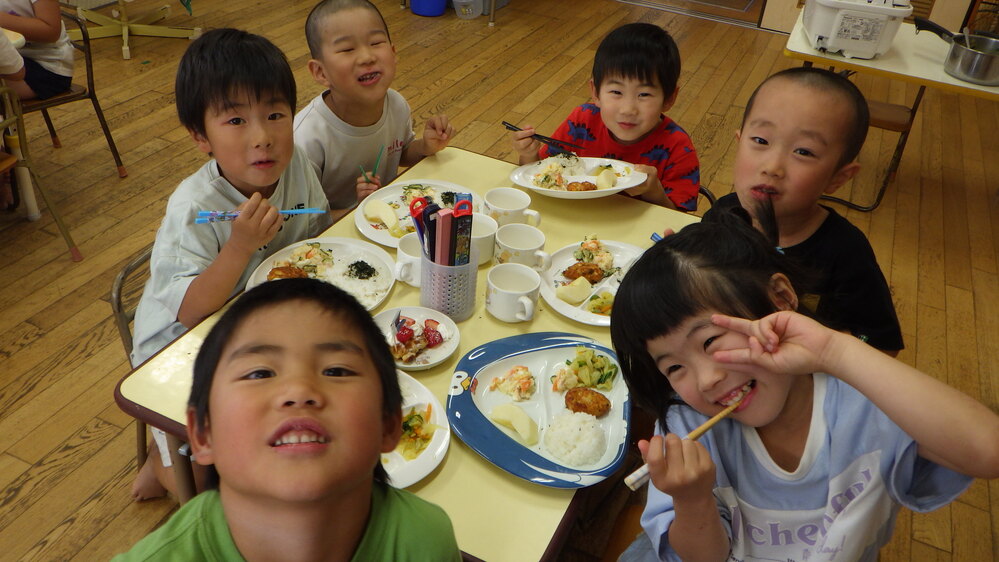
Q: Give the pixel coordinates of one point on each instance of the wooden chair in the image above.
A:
(77, 92)
(19, 157)
(124, 298)
(706, 193)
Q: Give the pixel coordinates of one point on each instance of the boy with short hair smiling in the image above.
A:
(344, 129)
(236, 97)
(800, 136)
(634, 83)
(294, 398)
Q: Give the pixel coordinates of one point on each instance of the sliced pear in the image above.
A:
(575, 292)
(377, 210)
(512, 416)
(606, 179)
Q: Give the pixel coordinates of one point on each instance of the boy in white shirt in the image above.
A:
(344, 129)
(236, 96)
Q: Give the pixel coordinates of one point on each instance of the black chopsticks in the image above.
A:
(554, 143)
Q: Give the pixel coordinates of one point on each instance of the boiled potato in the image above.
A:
(575, 292)
(512, 416)
(606, 179)
(376, 210)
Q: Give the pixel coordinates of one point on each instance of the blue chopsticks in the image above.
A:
(205, 217)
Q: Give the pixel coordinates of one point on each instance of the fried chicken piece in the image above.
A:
(587, 400)
(286, 272)
(581, 186)
(591, 271)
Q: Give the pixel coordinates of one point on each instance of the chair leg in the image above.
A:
(107, 135)
(141, 447)
(74, 252)
(52, 132)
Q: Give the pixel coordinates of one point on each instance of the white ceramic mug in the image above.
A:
(512, 292)
(484, 236)
(407, 259)
(521, 243)
(508, 206)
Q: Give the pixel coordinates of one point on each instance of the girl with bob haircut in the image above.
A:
(830, 436)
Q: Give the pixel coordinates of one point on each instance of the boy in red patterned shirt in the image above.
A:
(635, 72)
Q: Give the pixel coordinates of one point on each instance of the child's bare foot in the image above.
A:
(147, 486)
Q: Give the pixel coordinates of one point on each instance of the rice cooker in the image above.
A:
(859, 29)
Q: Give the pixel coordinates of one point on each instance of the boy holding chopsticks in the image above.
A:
(236, 96)
(358, 121)
(634, 83)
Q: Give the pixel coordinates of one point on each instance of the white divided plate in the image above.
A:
(406, 473)
(429, 357)
(392, 194)
(370, 292)
(470, 401)
(624, 255)
(628, 177)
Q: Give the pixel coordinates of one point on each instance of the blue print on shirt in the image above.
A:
(659, 153)
(579, 131)
(591, 108)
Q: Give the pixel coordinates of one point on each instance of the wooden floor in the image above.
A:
(67, 452)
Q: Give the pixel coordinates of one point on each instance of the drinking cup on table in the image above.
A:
(508, 205)
(484, 236)
(407, 259)
(512, 292)
(521, 243)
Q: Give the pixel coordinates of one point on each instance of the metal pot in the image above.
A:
(972, 58)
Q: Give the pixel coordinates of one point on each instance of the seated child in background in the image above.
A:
(831, 436)
(236, 96)
(11, 68)
(634, 83)
(800, 136)
(295, 396)
(344, 129)
(47, 51)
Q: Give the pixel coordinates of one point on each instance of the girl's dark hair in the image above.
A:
(326, 8)
(641, 51)
(721, 264)
(274, 293)
(223, 64)
(857, 122)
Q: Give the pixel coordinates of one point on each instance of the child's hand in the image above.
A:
(681, 468)
(651, 190)
(436, 134)
(365, 187)
(256, 225)
(526, 147)
(784, 342)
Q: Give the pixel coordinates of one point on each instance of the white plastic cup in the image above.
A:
(484, 236)
(512, 292)
(508, 206)
(407, 259)
(521, 243)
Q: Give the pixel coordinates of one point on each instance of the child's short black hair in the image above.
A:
(224, 63)
(722, 264)
(641, 51)
(828, 81)
(326, 8)
(275, 293)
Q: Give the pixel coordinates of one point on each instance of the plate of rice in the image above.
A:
(358, 267)
(507, 401)
(567, 176)
(426, 435)
(398, 197)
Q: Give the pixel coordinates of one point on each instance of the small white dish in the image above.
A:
(429, 357)
(404, 473)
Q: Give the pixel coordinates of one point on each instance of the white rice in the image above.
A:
(367, 291)
(576, 439)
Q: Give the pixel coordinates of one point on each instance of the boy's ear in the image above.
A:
(593, 93)
(843, 175)
(782, 293)
(670, 100)
(201, 440)
(318, 72)
(391, 431)
(202, 141)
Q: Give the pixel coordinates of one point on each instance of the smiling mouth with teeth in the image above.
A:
(368, 77)
(736, 396)
(296, 437)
